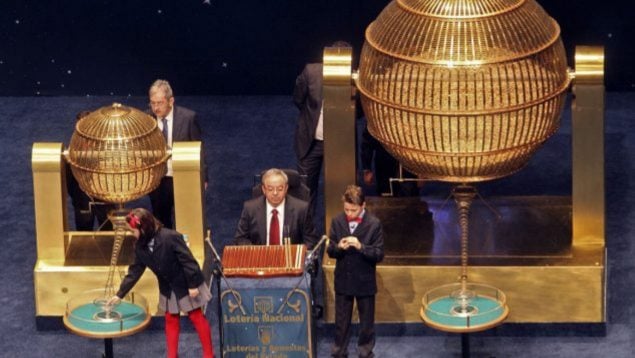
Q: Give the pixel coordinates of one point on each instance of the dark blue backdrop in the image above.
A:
(99, 47)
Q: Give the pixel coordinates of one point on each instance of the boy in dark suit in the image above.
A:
(357, 244)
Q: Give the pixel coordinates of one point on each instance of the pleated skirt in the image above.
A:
(173, 305)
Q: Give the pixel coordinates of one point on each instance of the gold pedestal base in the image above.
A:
(538, 294)
(56, 284)
(57, 281)
(524, 249)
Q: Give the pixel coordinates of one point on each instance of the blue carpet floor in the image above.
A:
(244, 135)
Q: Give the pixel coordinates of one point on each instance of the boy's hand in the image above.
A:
(349, 241)
(354, 242)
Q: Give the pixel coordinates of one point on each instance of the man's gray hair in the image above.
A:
(275, 171)
(163, 86)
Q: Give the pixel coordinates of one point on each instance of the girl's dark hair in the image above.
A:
(148, 225)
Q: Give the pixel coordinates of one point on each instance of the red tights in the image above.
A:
(172, 328)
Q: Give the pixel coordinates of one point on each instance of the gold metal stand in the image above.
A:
(57, 277)
(540, 288)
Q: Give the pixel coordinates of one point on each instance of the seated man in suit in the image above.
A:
(267, 219)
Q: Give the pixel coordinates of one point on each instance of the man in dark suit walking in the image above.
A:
(309, 136)
(268, 219)
(357, 243)
(177, 124)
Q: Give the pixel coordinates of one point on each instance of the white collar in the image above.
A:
(279, 207)
(170, 115)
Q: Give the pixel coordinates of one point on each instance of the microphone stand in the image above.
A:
(312, 253)
(307, 262)
(217, 275)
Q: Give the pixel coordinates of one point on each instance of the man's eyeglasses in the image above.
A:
(158, 103)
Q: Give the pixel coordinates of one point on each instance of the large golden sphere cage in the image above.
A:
(117, 154)
(463, 90)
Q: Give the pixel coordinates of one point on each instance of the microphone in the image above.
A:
(209, 242)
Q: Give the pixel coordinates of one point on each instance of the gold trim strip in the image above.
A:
(492, 60)
(506, 150)
(508, 109)
(461, 17)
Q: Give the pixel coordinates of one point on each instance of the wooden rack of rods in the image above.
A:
(264, 261)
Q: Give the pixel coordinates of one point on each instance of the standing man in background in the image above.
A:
(309, 135)
(177, 124)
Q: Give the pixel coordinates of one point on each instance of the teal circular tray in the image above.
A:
(80, 317)
(489, 302)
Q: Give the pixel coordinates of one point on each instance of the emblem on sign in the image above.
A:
(265, 333)
(263, 304)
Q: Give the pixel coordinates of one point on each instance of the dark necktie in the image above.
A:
(165, 130)
(274, 229)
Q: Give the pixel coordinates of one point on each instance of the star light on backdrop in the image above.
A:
(68, 39)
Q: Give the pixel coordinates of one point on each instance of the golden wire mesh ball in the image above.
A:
(117, 154)
(463, 90)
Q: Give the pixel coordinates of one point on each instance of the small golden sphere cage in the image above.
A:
(117, 154)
